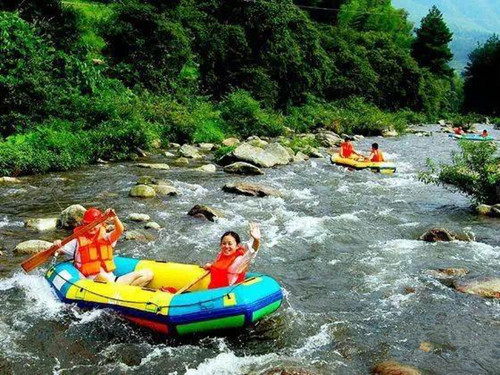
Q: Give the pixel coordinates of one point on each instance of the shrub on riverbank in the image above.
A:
(352, 116)
(475, 172)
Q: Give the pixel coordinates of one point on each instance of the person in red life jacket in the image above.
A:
(347, 150)
(233, 259)
(484, 134)
(376, 154)
(458, 131)
(92, 252)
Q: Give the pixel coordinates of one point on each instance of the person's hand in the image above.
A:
(57, 243)
(207, 266)
(110, 212)
(255, 231)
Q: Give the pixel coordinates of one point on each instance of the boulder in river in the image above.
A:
(279, 152)
(153, 166)
(241, 167)
(299, 157)
(165, 190)
(41, 224)
(445, 273)
(389, 133)
(256, 142)
(328, 139)
(72, 216)
(32, 246)
(255, 190)
(152, 225)
(488, 288)
(256, 155)
(182, 161)
(138, 235)
(394, 368)
(10, 180)
(142, 191)
(437, 234)
(138, 217)
(205, 212)
(231, 142)
(207, 168)
(190, 152)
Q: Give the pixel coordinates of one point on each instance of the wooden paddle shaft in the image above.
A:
(42, 256)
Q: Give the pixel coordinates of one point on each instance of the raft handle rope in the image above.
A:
(158, 307)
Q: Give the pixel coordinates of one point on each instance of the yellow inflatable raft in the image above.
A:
(359, 163)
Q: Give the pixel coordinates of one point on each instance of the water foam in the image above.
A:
(228, 363)
(322, 338)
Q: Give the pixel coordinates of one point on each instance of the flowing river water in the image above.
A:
(342, 244)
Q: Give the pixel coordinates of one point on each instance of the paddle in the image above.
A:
(186, 287)
(42, 256)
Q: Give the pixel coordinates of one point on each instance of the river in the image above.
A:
(342, 244)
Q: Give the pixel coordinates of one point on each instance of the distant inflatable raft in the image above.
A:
(200, 310)
(472, 137)
(380, 167)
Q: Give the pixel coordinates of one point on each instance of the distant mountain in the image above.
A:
(471, 21)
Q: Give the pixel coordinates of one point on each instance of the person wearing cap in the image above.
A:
(92, 252)
(347, 150)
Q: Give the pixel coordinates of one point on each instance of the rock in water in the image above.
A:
(205, 212)
(394, 368)
(32, 246)
(41, 224)
(241, 167)
(488, 288)
(142, 191)
(254, 190)
(72, 216)
(437, 234)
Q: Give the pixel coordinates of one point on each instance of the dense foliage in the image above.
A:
(474, 172)
(482, 78)
(104, 77)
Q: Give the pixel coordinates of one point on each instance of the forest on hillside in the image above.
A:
(82, 79)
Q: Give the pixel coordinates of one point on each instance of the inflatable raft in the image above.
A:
(198, 310)
(472, 137)
(355, 163)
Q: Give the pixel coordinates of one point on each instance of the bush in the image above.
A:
(244, 116)
(218, 154)
(474, 172)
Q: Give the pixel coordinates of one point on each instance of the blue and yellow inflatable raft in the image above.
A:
(200, 310)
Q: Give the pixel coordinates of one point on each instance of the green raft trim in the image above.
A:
(265, 310)
(208, 325)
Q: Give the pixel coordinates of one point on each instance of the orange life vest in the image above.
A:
(346, 149)
(377, 156)
(95, 253)
(219, 271)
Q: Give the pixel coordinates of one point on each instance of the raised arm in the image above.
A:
(119, 228)
(255, 233)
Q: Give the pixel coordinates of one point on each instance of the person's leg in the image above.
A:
(136, 278)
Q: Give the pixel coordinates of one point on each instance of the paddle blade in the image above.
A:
(38, 259)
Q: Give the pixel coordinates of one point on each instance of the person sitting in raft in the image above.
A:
(376, 154)
(93, 252)
(234, 258)
(458, 131)
(347, 150)
(484, 134)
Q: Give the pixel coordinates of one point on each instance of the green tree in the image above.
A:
(482, 78)
(474, 172)
(56, 24)
(431, 46)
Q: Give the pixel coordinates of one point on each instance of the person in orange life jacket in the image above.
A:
(93, 252)
(484, 133)
(376, 154)
(458, 131)
(233, 259)
(347, 150)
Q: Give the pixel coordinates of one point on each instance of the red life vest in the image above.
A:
(377, 156)
(219, 271)
(95, 253)
(346, 149)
